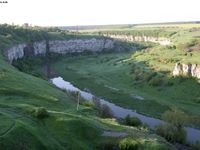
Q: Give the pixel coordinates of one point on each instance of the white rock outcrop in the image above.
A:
(59, 46)
(16, 52)
(132, 38)
(39, 47)
(187, 70)
(80, 45)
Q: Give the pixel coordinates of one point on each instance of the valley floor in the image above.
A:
(110, 77)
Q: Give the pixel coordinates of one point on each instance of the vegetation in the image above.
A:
(37, 115)
(129, 144)
(174, 131)
(153, 33)
(41, 113)
(132, 121)
(140, 144)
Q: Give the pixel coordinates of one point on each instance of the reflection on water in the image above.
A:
(193, 134)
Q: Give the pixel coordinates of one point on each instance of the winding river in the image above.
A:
(193, 135)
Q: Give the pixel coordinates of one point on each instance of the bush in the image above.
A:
(152, 144)
(171, 133)
(174, 131)
(89, 104)
(176, 117)
(41, 113)
(149, 75)
(96, 102)
(132, 121)
(156, 81)
(105, 111)
(129, 144)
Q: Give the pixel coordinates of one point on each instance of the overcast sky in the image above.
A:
(95, 12)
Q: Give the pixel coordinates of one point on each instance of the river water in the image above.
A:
(193, 135)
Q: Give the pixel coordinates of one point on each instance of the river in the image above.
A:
(193, 135)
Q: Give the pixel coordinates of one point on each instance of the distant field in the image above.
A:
(185, 25)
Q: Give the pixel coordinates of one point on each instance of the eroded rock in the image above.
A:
(59, 46)
(187, 70)
(132, 38)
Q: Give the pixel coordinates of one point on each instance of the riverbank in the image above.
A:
(193, 135)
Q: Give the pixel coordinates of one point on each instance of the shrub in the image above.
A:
(153, 144)
(41, 113)
(105, 111)
(176, 117)
(132, 121)
(156, 81)
(174, 131)
(129, 144)
(89, 104)
(96, 102)
(171, 133)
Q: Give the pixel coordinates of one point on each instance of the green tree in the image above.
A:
(176, 117)
(174, 130)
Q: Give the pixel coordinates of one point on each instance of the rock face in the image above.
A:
(132, 38)
(16, 52)
(58, 46)
(40, 48)
(187, 70)
(79, 45)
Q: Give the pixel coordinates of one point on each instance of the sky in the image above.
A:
(97, 12)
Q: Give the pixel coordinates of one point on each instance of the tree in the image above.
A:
(174, 130)
(176, 117)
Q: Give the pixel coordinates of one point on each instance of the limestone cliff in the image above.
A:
(132, 38)
(58, 46)
(80, 45)
(187, 70)
(16, 52)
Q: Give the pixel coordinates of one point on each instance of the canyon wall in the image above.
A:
(75, 45)
(187, 70)
(132, 38)
(21, 50)
(79, 45)
(59, 46)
